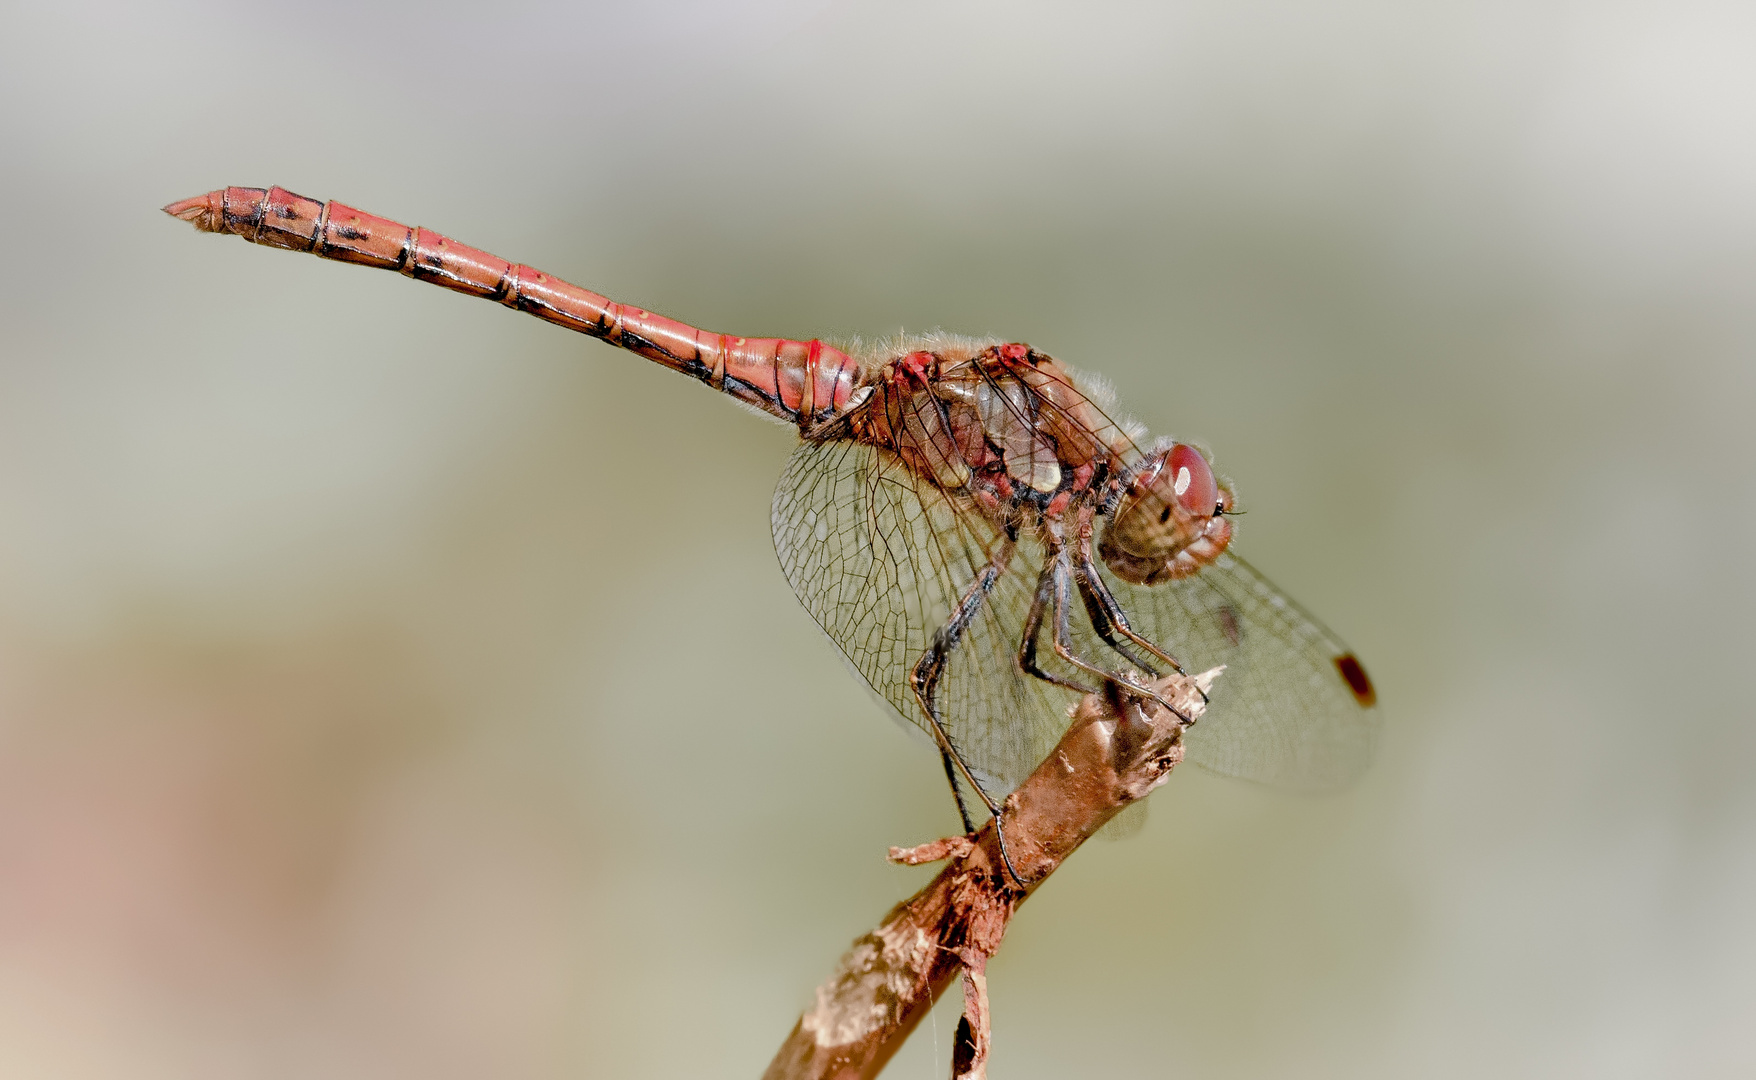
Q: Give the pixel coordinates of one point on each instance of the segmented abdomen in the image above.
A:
(800, 381)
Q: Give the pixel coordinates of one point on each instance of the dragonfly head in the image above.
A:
(1170, 521)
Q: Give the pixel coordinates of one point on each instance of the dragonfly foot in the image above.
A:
(1005, 858)
(1141, 690)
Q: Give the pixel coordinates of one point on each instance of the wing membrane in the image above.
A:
(1282, 714)
(880, 557)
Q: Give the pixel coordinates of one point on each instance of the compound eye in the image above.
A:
(1192, 480)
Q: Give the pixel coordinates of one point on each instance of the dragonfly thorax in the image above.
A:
(999, 423)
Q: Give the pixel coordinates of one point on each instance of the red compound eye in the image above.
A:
(1192, 481)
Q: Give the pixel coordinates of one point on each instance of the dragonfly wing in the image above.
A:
(1294, 708)
(881, 557)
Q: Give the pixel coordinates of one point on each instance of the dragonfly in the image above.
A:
(969, 520)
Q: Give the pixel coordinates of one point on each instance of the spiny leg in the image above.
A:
(1033, 625)
(925, 676)
(924, 681)
(1061, 569)
(1107, 616)
(1102, 606)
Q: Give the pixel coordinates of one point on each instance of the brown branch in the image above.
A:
(1116, 751)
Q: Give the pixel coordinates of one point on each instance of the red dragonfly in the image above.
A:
(949, 500)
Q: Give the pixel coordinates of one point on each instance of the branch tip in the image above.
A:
(1207, 678)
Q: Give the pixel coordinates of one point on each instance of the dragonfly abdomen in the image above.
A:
(802, 382)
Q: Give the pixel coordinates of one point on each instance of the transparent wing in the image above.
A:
(880, 558)
(1285, 712)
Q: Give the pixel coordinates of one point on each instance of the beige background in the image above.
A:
(391, 686)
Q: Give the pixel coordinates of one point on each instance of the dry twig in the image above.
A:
(1116, 750)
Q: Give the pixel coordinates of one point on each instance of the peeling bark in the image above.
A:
(969, 1051)
(1116, 751)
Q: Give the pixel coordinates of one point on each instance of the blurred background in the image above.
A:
(392, 686)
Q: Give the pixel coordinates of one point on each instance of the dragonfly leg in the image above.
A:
(947, 759)
(1033, 626)
(924, 681)
(924, 677)
(1061, 570)
(1107, 618)
(1103, 608)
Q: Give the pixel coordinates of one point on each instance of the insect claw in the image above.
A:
(1141, 690)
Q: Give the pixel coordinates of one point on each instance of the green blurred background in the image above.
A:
(393, 686)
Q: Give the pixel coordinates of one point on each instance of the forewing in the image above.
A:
(881, 557)
(1283, 713)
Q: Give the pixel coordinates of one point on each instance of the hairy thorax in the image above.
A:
(1001, 425)
(1009, 432)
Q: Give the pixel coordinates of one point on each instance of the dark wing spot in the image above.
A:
(1227, 617)
(1164, 517)
(1355, 677)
